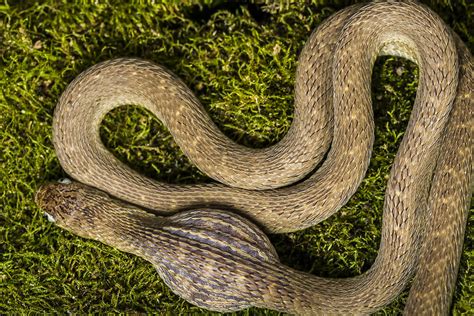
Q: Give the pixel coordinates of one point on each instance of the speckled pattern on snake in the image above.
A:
(211, 249)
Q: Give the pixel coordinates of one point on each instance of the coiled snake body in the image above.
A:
(219, 260)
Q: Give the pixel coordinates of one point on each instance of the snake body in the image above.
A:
(212, 251)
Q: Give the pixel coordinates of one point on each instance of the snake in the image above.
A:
(208, 241)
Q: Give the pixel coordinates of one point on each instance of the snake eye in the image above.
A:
(64, 181)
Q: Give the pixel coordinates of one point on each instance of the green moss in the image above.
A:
(240, 60)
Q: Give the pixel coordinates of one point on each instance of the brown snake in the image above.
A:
(221, 261)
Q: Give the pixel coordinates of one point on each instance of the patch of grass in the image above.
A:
(240, 60)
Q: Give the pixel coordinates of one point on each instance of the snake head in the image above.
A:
(68, 205)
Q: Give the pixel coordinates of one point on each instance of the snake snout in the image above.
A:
(48, 198)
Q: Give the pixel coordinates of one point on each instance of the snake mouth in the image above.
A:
(43, 199)
(40, 200)
(40, 195)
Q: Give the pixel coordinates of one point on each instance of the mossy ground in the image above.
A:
(240, 60)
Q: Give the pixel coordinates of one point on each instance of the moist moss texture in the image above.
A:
(240, 60)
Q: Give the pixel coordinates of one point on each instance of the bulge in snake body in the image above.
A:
(195, 252)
